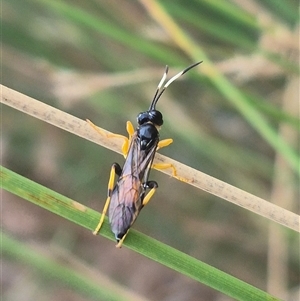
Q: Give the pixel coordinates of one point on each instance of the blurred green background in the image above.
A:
(102, 60)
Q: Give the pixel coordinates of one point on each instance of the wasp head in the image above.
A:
(152, 116)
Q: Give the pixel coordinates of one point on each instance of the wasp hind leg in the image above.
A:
(115, 169)
(126, 143)
(120, 242)
(153, 186)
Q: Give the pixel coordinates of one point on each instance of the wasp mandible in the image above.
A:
(133, 190)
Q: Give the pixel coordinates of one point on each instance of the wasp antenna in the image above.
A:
(154, 101)
(160, 92)
(180, 74)
(163, 78)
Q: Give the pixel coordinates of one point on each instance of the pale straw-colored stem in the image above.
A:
(194, 177)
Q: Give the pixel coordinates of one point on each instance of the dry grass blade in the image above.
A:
(195, 178)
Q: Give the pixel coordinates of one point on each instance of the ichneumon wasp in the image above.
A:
(128, 195)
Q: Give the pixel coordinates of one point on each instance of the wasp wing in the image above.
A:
(129, 191)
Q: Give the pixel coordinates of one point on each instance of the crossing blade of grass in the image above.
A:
(138, 242)
(91, 287)
(222, 84)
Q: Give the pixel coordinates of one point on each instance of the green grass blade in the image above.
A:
(234, 95)
(101, 25)
(257, 121)
(231, 10)
(136, 241)
(215, 28)
(53, 270)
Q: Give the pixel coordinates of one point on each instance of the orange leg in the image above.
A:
(115, 169)
(125, 146)
(159, 166)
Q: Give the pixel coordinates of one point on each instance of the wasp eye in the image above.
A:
(143, 118)
(155, 117)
